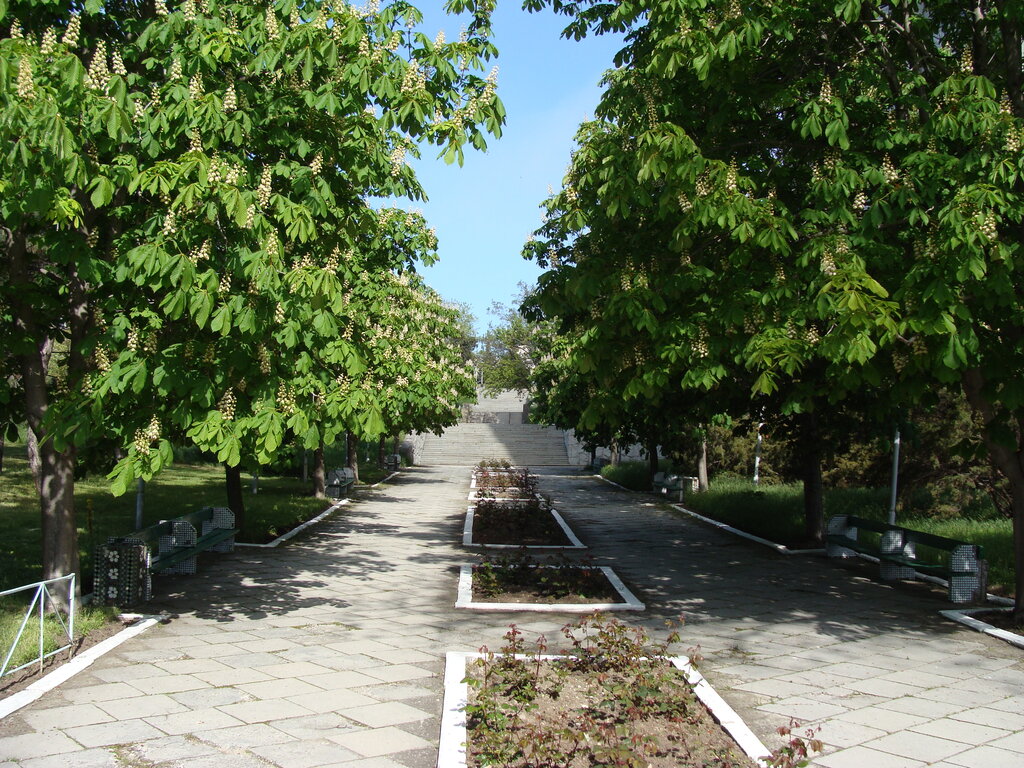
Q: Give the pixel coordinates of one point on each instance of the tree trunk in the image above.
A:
(1009, 460)
(3, 444)
(236, 501)
(352, 453)
(616, 457)
(55, 477)
(35, 464)
(394, 445)
(702, 466)
(381, 450)
(319, 473)
(652, 458)
(593, 457)
(814, 498)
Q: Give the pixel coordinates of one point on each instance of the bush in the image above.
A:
(632, 474)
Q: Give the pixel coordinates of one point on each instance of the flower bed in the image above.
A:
(612, 699)
(521, 585)
(502, 525)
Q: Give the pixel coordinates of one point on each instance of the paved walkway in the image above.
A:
(329, 651)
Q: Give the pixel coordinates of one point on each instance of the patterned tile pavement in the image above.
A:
(329, 651)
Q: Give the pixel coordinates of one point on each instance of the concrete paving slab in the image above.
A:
(305, 754)
(862, 757)
(333, 701)
(279, 688)
(1014, 742)
(120, 732)
(147, 706)
(918, 746)
(242, 736)
(987, 757)
(384, 713)
(168, 683)
(25, 747)
(958, 730)
(68, 717)
(100, 757)
(168, 749)
(193, 720)
(380, 741)
(264, 711)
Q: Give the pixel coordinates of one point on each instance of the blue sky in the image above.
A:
(485, 210)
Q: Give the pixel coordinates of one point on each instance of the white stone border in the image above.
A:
(964, 617)
(381, 482)
(629, 600)
(467, 535)
(451, 752)
(297, 529)
(782, 549)
(69, 669)
(473, 496)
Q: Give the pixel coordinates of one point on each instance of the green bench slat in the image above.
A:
(212, 539)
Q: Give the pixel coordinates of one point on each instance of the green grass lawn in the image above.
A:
(775, 512)
(55, 633)
(280, 504)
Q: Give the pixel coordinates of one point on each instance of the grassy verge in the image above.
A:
(632, 474)
(280, 504)
(775, 512)
(54, 633)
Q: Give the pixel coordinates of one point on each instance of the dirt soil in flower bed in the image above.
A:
(571, 706)
(524, 526)
(529, 584)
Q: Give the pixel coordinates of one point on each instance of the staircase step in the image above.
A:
(466, 444)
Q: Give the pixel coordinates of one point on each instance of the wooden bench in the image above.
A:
(124, 565)
(665, 483)
(392, 462)
(904, 553)
(339, 482)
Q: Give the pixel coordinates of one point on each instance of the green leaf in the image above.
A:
(102, 191)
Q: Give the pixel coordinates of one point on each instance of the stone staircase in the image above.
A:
(529, 445)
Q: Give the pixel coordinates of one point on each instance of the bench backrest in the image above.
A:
(341, 476)
(151, 533)
(910, 535)
(209, 517)
(939, 542)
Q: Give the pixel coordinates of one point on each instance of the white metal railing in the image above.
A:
(44, 591)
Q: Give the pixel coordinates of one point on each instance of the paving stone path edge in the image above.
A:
(66, 671)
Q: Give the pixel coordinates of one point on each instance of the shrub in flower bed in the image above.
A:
(614, 699)
(494, 464)
(515, 478)
(520, 578)
(526, 522)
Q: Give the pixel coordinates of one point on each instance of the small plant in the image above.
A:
(494, 464)
(796, 752)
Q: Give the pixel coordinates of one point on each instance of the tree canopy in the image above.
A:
(186, 199)
(800, 201)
